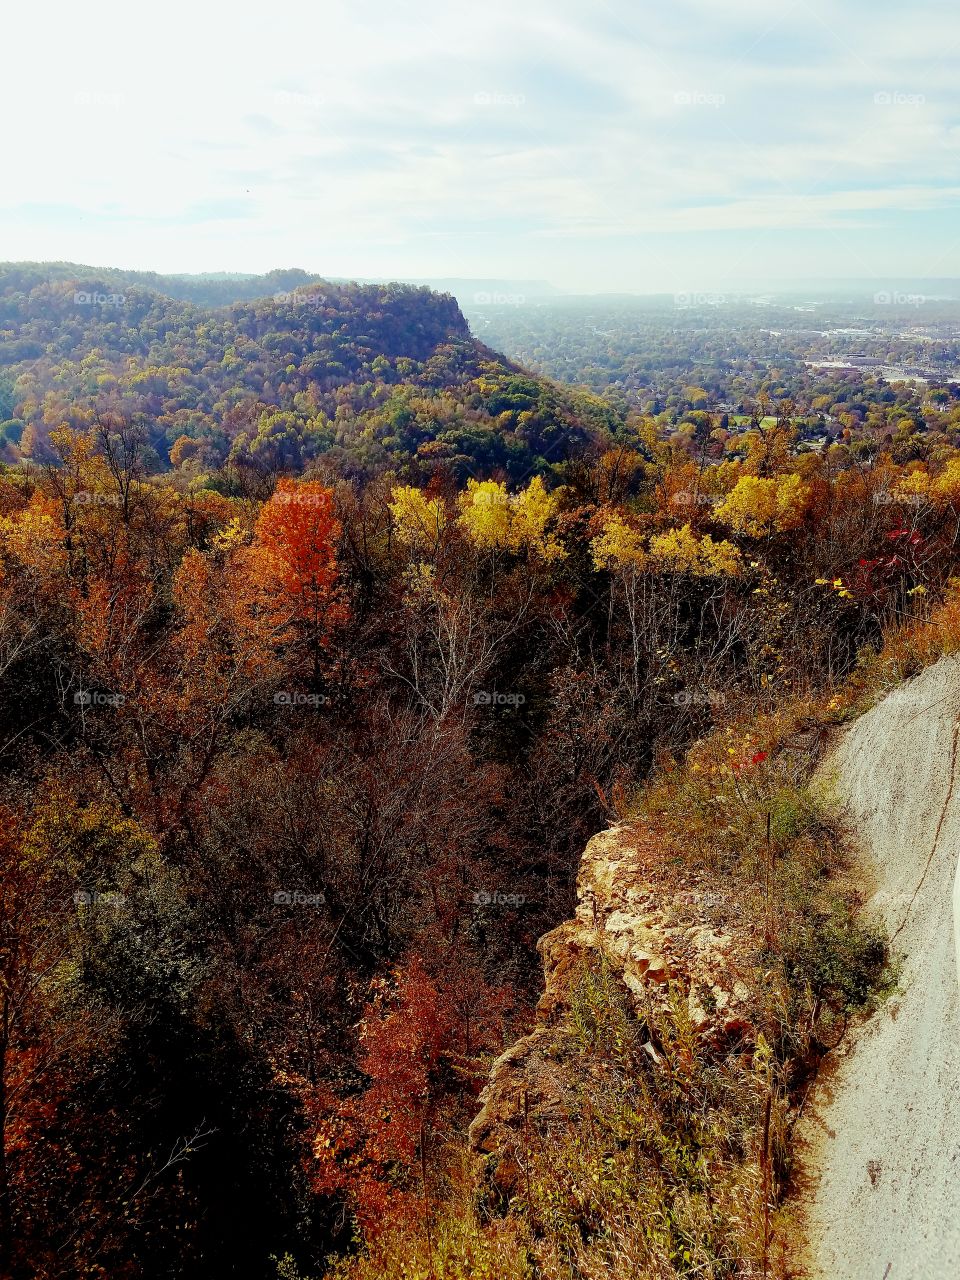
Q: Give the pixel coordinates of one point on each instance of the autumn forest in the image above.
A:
(329, 637)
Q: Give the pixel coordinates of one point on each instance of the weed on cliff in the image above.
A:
(659, 1175)
(742, 814)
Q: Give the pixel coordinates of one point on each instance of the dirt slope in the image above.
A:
(885, 1135)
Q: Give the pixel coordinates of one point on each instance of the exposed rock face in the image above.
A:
(884, 1133)
(652, 936)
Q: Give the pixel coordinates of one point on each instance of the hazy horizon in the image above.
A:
(830, 288)
(614, 149)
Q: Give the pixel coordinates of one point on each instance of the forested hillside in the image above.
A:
(374, 377)
(328, 638)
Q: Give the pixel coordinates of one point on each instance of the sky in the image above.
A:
(683, 145)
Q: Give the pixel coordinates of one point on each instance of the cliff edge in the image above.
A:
(883, 1142)
(651, 934)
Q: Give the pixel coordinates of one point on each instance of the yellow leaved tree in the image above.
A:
(418, 521)
(757, 506)
(485, 514)
(916, 484)
(493, 519)
(946, 487)
(681, 550)
(618, 545)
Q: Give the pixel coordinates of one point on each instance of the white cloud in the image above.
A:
(349, 135)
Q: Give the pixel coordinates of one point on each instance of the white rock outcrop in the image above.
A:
(885, 1133)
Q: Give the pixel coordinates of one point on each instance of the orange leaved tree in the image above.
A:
(293, 571)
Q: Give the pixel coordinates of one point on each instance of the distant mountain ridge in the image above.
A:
(379, 376)
(210, 289)
(221, 288)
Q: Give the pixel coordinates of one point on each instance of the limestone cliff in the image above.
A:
(884, 1134)
(654, 932)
